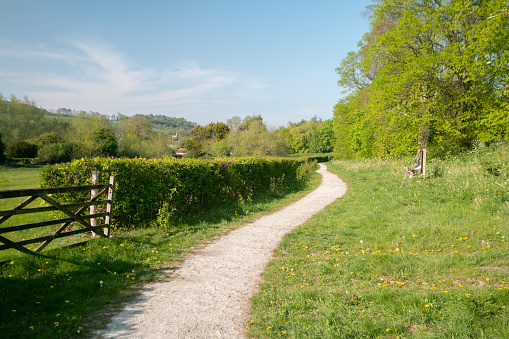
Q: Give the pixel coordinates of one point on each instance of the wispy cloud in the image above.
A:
(94, 76)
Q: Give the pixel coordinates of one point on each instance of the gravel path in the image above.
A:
(208, 296)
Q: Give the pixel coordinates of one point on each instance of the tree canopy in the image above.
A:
(429, 74)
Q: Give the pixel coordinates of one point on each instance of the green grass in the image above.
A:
(397, 258)
(26, 177)
(58, 293)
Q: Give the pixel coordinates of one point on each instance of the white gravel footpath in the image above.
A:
(208, 297)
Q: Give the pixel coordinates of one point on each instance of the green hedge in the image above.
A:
(183, 185)
(318, 157)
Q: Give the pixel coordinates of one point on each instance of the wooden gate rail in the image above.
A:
(85, 220)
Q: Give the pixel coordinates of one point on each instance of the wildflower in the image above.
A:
(31, 327)
(467, 295)
(283, 332)
(387, 330)
(67, 301)
(56, 323)
(427, 305)
(268, 328)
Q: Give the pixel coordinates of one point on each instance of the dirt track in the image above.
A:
(208, 296)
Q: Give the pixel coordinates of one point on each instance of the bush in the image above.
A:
(183, 186)
(54, 153)
(21, 149)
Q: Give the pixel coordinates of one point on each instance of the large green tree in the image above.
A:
(430, 73)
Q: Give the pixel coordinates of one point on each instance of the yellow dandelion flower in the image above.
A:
(427, 305)
(467, 295)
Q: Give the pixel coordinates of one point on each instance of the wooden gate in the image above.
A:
(75, 212)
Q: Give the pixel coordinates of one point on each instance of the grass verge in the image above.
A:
(397, 258)
(69, 292)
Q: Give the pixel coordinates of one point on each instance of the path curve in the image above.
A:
(208, 296)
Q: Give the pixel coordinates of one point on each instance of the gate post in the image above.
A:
(93, 194)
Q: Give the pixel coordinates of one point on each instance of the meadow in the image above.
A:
(393, 258)
(397, 258)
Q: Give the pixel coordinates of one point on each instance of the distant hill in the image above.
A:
(163, 122)
(159, 122)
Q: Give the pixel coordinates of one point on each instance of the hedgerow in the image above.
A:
(183, 186)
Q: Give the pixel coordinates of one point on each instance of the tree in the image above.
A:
(105, 143)
(2, 150)
(429, 74)
(200, 142)
(256, 140)
(314, 136)
(139, 125)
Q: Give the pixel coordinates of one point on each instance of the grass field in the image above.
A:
(397, 258)
(25, 177)
(67, 292)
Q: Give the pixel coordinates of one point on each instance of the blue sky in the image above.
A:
(206, 61)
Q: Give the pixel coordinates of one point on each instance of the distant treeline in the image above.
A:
(252, 137)
(31, 132)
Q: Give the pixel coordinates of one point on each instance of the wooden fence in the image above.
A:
(75, 213)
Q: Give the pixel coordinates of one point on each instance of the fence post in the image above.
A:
(424, 163)
(109, 206)
(93, 194)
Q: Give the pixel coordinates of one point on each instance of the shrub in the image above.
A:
(21, 149)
